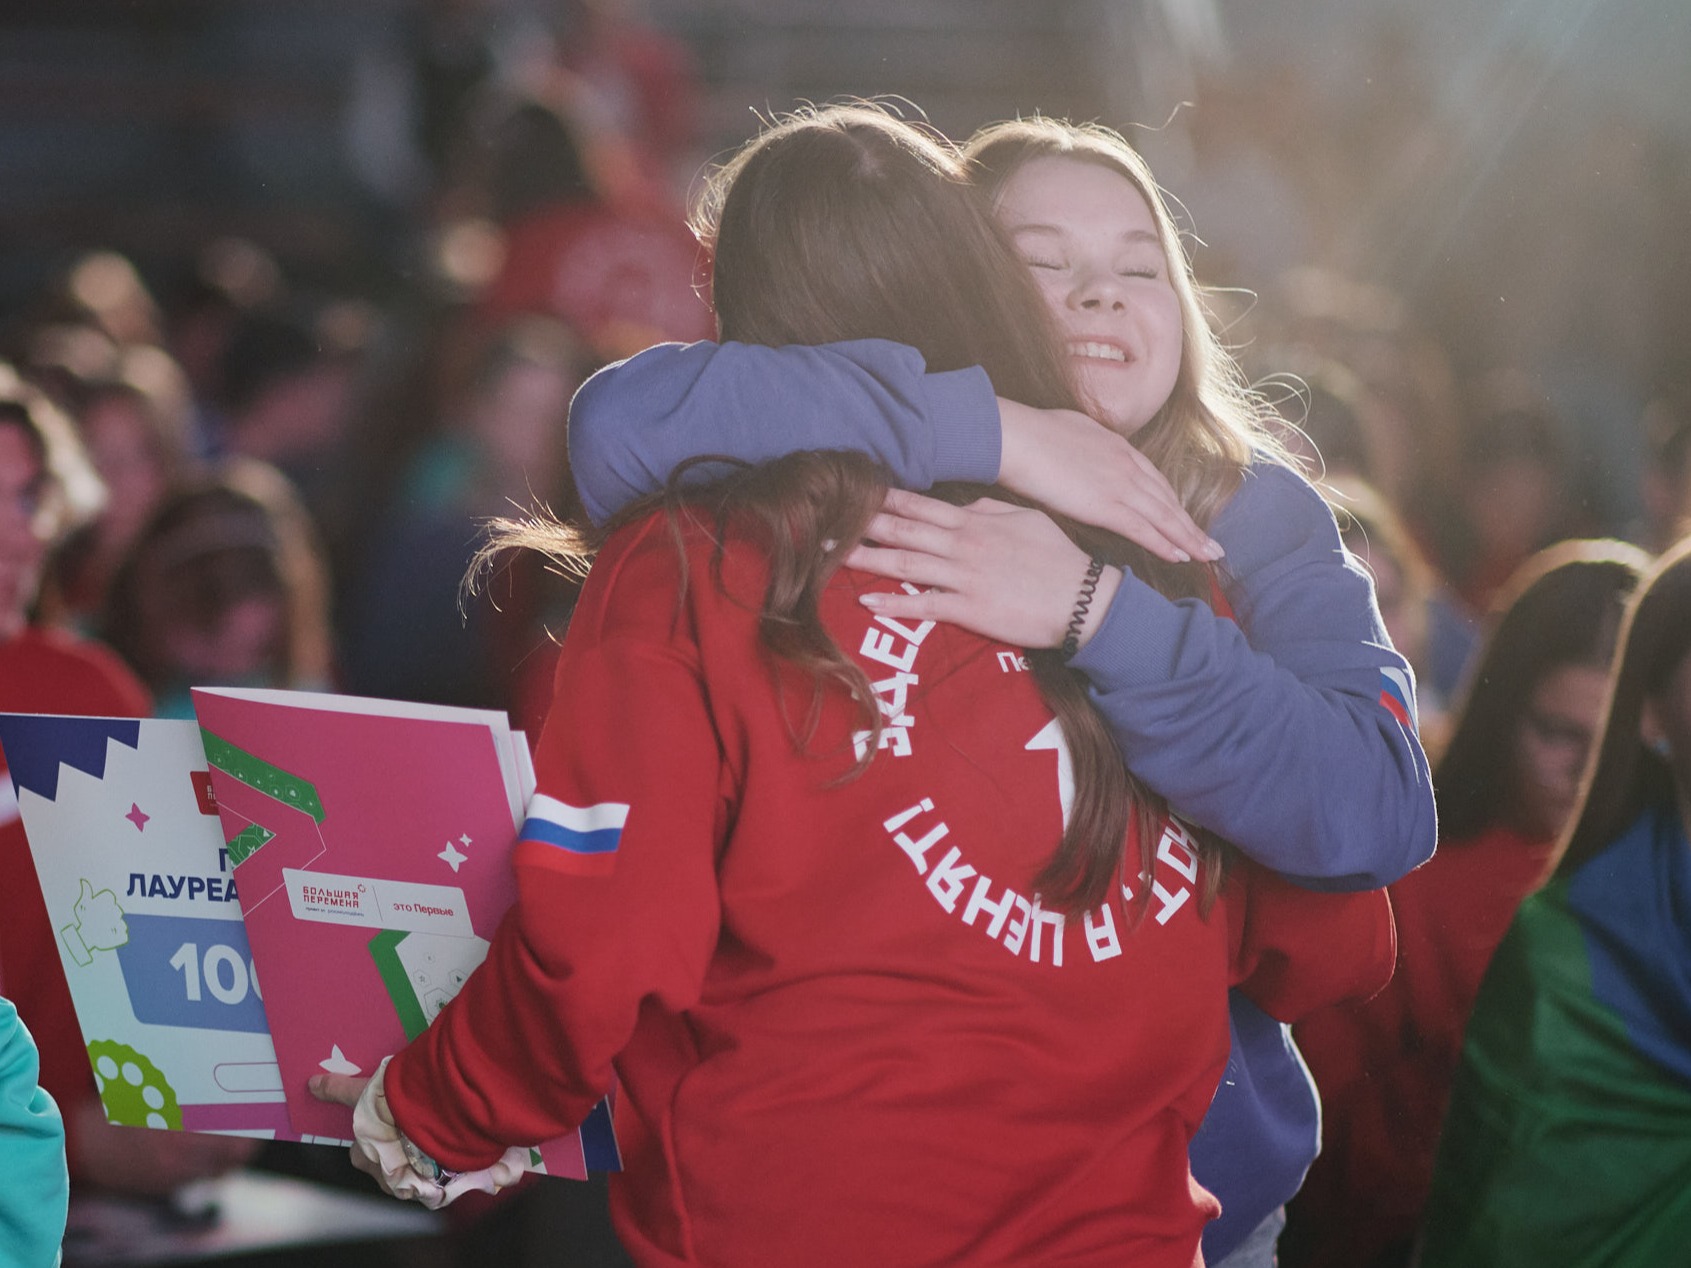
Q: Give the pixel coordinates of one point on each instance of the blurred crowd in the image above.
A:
(244, 479)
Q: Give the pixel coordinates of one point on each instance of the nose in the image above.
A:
(1098, 290)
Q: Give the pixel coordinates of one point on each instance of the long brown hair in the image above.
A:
(1562, 607)
(1624, 777)
(844, 223)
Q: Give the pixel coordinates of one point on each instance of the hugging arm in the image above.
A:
(634, 422)
(1296, 743)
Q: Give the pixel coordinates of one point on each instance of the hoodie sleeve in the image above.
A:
(634, 422)
(617, 898)
(1297, 744)
(32, 1150)
(1296, 951)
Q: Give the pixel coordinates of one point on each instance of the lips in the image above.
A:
(1099, 350)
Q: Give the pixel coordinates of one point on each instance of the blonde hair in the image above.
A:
(1213, 425)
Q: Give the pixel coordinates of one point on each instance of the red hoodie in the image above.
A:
(1385, 1067)
(846, 1030)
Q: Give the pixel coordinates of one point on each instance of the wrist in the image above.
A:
(1013, 423)
(424, 1165)
(1091, 598)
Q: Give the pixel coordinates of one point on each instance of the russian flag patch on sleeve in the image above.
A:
(578, 839)
(1397, 696)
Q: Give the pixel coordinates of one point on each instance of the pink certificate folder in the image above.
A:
(370, 842)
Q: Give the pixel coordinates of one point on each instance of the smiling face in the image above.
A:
(1090, 239)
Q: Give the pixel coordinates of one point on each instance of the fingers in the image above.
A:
(340, 1089)
(902, 565)
(1169, 516)
(930, 605)
(928, 510)
(908, 534)
(1162, 537)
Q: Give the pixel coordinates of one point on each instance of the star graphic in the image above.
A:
(466, 840)
(136, 817)
(452, 856)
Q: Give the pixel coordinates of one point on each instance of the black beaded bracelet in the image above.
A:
(1082, 605)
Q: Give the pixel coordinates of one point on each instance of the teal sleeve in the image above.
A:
(36, 1192)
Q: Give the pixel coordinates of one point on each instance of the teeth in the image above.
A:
(1103, 351)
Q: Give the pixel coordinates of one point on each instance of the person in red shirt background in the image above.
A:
(1506, 785)
(47, 487)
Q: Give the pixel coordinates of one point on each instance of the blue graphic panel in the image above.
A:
(187, 971)
(35, 745)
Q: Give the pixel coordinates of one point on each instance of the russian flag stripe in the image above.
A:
(576, 829)
(607, 814)
(1398, 696)
(547, 833)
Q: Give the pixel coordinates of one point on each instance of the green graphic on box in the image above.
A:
(260, 775)
(244, 844)
(423, 971)
(133, 1090)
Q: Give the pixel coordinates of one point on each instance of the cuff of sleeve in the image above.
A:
(377, 1137)
(1137, 641)
(962, 410)
(407, 1102)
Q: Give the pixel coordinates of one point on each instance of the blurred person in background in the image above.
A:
(634, 88)
(1568, 1139)
(106, 288)
(137, 425)
(1666, 488)
(224, 586)
(1338, 428)
(1507, 786)
(205, 306)
(1316, 316)
(498, 446)
(1341, 432)
(1515, 491)
(47, 485)
(288, 382)
(623, 275)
